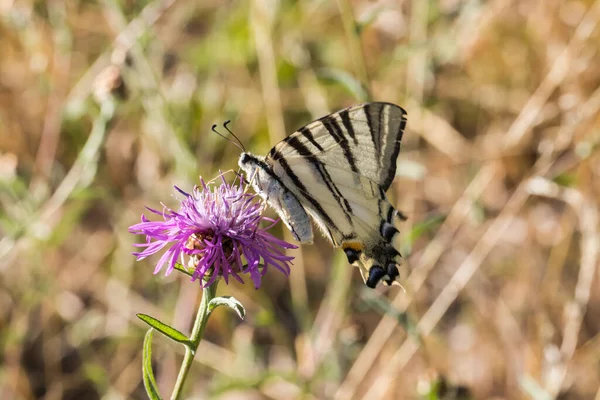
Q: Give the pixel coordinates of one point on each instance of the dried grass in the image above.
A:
(501, 146)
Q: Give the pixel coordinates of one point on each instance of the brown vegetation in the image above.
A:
(105, 105)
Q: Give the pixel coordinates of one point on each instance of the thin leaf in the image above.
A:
(347, 81)
(230, 302)
(418, 230)
(147, 373)
(566, 179)
(165, 329)
(383, 306)
(183, 269)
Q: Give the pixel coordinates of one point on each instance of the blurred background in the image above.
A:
(106, 104)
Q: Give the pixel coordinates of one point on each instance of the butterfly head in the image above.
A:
(251, 165)
(247, 161)
(245, 158)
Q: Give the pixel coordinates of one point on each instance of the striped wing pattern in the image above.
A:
(366, 135)
(339, 168)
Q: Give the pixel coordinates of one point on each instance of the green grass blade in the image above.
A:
(345, 80)
(147, 373)
(165, 329)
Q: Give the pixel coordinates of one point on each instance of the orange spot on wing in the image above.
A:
(356, 246)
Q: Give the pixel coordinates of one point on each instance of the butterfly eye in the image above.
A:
(375, 275)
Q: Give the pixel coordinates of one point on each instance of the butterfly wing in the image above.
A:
(339, 168)
(364, 138)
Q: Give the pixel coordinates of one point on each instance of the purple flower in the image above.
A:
(217, 226)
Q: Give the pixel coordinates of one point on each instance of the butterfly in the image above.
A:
(335, 171)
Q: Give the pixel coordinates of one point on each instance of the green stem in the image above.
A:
(197, 332)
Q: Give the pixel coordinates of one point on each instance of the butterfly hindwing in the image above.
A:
(338, 169)
(353, 213)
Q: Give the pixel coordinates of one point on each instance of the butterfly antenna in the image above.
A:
(235, 142)
(240, 144)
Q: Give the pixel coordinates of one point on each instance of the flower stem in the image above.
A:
(208, 294)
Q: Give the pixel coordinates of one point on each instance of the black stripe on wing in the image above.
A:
(322, 171)
(380, 133)
(391, 173)
(374, 132)
(309, 136)
(390, 215)
(303, 190)
(306, 133)
(383, 133)
(336, 132)
(345, 116)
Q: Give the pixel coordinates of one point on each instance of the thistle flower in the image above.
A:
(217, 226)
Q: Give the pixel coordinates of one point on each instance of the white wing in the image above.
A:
(339, 168)
(364, 139)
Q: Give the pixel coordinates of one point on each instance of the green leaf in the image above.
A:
(566, 179)
(383, 306)
(148, 374)
(183, 269)
(347, 81)
(426, 226)
(230, 302)
(165, 329)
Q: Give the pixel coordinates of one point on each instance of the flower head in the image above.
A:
(217, 226)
